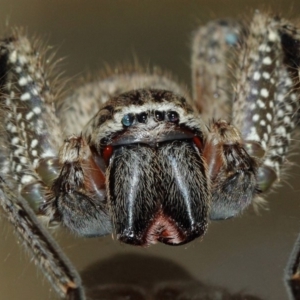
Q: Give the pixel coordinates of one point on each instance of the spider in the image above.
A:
(154, 164)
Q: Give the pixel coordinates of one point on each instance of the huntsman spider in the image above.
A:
(135, 153)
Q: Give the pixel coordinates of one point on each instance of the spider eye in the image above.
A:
(173, 116)
(127, 120)
(142, 117)
(159, 115)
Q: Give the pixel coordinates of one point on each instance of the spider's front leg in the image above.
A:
(30, 140)
(266, 102)
(267, 94)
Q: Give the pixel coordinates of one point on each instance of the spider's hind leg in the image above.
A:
(214, 49)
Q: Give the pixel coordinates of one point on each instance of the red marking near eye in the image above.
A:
(107, 153)
(198, 142)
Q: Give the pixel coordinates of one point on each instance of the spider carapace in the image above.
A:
(154, 163)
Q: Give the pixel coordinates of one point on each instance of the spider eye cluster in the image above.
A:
(159, 116)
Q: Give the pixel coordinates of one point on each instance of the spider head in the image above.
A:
(149, 143)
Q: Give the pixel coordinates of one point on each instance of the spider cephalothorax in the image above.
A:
(147, 166)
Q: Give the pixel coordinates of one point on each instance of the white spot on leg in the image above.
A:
(254, 92)
(280, 97)
(26, 179)
(273, 36)
(18, 168)
(269, 116)
(34, 143)
(263, 123)
(269, 128)
(289, 108)
(18, 151)
(25, 96)
(280, 130)
(266, 75)
(19, 116)
(261, 104)
(262, 47)
(29, 115)
(287, 120)
(293, 97)
(23, 160)
(263, 144)
(34, 153)
(253, 135)
(22, 81)
(264, 93)
(268, 49)
(34, 92)
(15, 140)
(256, 76)
(22, 59)
(255, 118)
(36, 162)
(13, 57)
(267, 60)
(280, 113)
(37, 110)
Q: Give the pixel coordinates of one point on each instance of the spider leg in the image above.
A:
(292, 272)
(214, 49)
(245, 158)
(230, 168)
(267, 96)
(77, 196)
(31, 134)
(44, 250)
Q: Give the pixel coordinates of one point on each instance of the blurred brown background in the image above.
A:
(246, 254)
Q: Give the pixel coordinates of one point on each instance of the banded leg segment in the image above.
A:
(27, 106)
(31, 136)
(44, 250)
(30, 124)
(286, 102)
(266, 99)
